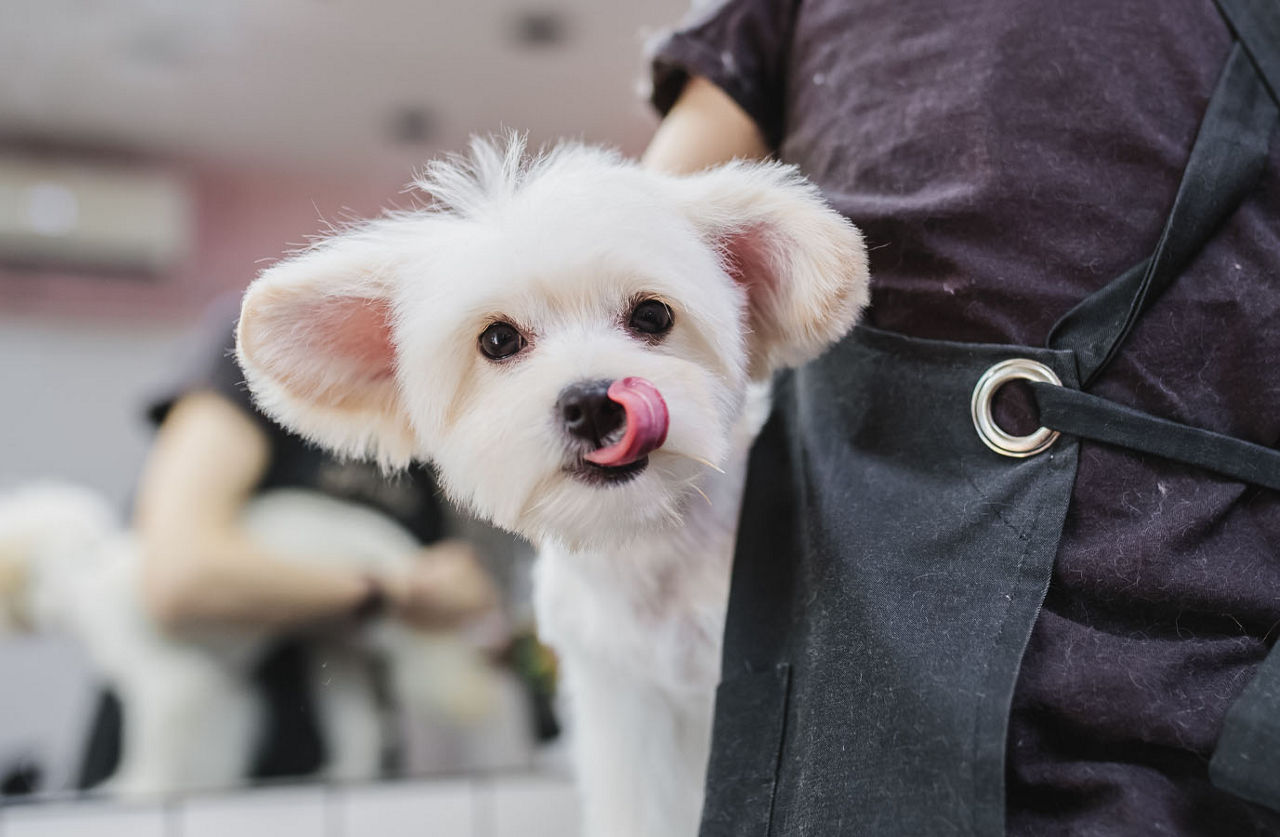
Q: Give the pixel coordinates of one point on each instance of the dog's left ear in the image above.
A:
(802, 264)
(316, 343)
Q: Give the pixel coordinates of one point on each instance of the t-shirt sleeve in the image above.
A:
(740, 46)
(212, 366)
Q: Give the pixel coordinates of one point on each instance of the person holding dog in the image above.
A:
(945, 617)
(214, 450)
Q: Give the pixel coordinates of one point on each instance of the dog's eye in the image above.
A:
(651, 316)
(500, 340)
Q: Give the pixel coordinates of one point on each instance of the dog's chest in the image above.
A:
(658, 608)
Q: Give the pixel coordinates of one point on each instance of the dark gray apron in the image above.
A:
(891, 563)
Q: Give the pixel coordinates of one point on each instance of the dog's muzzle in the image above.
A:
(622, 421)
(588, 413)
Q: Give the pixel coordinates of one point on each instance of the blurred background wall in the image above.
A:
(82, 349)
(268, 119)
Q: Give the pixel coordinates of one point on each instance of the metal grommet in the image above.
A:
(1005, 444)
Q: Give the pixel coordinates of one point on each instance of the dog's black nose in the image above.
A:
(588, 413)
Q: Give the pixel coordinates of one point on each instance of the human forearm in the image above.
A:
(198, 566)
(231, 581)
(704, 128)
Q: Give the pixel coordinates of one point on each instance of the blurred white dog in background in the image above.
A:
(191, 717)
(582, 347)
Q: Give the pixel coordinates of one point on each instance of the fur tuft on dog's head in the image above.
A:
(368, 342)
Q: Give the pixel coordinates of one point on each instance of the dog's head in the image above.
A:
(47, 532)
(564, 337)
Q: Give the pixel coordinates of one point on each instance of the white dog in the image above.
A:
(191, 717)
(575, 342)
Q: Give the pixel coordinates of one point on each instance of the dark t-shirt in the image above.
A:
(1005, 159)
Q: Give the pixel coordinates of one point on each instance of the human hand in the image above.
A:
(446, 587)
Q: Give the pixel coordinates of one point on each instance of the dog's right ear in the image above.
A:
(316, 341)
(801, 263)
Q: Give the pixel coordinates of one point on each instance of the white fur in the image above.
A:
(367, 343)
(191, 716)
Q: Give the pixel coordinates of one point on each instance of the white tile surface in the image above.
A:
(528, 807)
(441, 808)
(283, 812)
(495, 807)
(83, 819)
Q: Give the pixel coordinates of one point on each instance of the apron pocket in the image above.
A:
(747, 739)
(1246, 761)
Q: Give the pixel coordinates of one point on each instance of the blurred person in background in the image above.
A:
(213, 452)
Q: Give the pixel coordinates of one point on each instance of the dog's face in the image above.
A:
(568, 340)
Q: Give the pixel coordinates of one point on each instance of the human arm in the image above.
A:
(705, 127)
(201, 568)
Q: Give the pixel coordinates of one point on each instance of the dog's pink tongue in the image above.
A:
(646, 423)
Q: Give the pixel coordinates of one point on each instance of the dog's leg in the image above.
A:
(190, 723)
(439, 673)
(348, 710)
(640, 753)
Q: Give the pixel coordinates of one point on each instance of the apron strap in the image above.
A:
(1246, 761)
(1256, 25)
(1229, 154)
(1081, 414)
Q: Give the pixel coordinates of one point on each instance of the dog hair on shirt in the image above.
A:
(583, 348)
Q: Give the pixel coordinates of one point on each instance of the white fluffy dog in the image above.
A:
(580, 345)
(191, 717)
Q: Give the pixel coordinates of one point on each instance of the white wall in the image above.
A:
(73, 395)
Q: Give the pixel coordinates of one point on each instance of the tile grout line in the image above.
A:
(170, 817)
(334, 796)
(481, 824)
